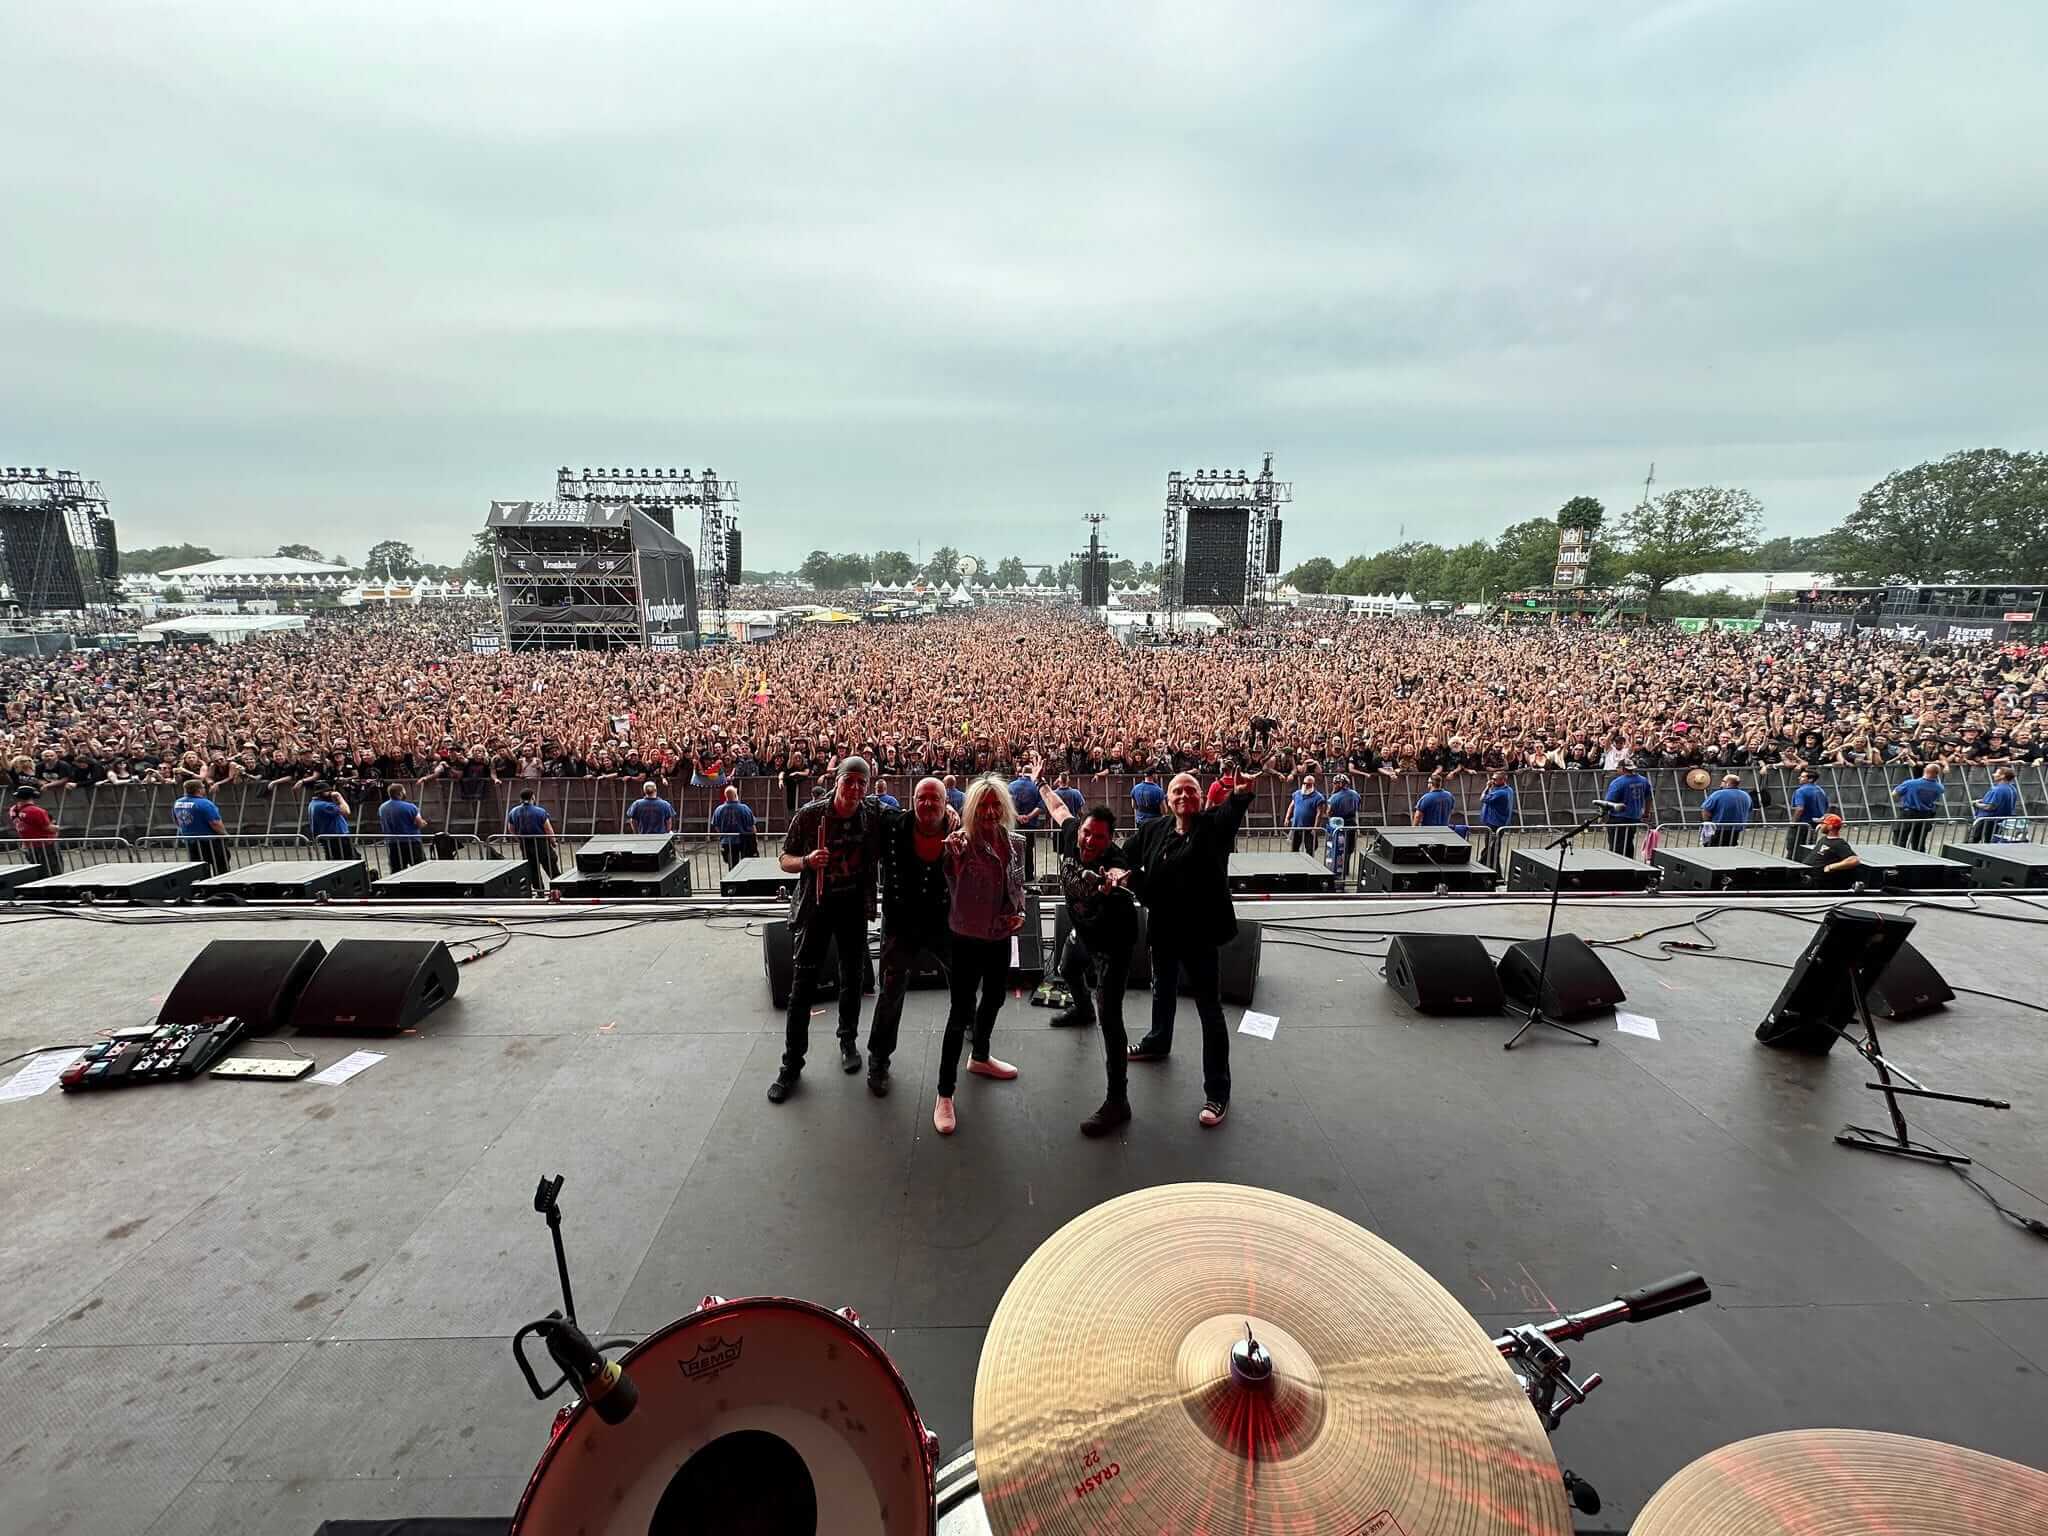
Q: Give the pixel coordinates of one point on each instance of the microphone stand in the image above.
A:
(1534, 1016)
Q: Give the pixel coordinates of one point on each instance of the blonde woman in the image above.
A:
(985, 863)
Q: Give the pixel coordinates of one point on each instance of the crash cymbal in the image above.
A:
(1108, 1399)
(1847, 1482)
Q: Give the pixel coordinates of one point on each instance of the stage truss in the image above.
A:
(1259, 496)
(44, 567)
(658, 492)
(1094, 562)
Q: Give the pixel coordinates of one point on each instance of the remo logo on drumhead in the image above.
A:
(712, 1357)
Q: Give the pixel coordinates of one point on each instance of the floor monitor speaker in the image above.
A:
(259, 980)
(1443, 973)
(778, 959)
(376, 987)
(1908, 987)
(1576, 983)
(1846, 955)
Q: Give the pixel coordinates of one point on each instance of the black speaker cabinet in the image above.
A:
(778, 959)
(644, 854)
(1846, 955)
(1908, 987)
(258, 980)
(1377, 873)
(1420, 845)
(1576, 984)
(1443, 973)
(376, 987)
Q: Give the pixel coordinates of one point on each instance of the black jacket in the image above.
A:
(1184, 882)
(807, 826)
(914, 894)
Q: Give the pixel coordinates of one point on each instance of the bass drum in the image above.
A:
(764, 1415)
(959, 1501)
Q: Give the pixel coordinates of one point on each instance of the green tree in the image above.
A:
(478, 565)
(1313, 575)
(391, 557)
(1525, 555)
(1123, 571)
(1009, 572)
(173, 595)
(149, 560)
(835, 573)
(941, 566)
(1695, 529)
(302, 552)
(893, 565)
(1582, 512)
(1978, 515)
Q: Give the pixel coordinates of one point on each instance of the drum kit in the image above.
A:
(1191, 1358)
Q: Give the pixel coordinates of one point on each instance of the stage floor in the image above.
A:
(244, 1306)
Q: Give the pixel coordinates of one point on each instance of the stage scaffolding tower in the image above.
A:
(1094, 563)
(1222, 493)
(57, 544)
(658, 493)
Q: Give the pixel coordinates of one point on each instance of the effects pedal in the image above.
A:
(167, 1053)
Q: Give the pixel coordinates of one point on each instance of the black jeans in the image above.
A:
(1914, 836)
(338, 847)
(1301, 839)
(1796, 839)
(210, 851)
(1621, 838)
(1170, 956)
(405, 852)
(983, 966)
(1980, 829)
(845, 919)
(539, 853)
(899, 959)
(1108, 967)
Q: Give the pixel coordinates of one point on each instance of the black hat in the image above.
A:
(27, 792)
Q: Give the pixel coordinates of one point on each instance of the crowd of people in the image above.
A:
(399, 696)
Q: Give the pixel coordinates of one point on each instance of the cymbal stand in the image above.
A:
(1563, 844)
(1544, 1369)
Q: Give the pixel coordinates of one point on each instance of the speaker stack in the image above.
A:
(1412, 859)
(631, 866)
(1908, 869)
(2002, 866)
(1279, 873)
(1546, 869)
(471, 879)
(756, 877)
(290, 880)
(1729, 869)
(116, 882)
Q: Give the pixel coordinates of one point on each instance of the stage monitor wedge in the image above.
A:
(1847, 954)
(257, 980)
(1443, 973)
(1576, 982)
(376, 987)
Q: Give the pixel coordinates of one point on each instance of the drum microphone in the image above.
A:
(603, 1383)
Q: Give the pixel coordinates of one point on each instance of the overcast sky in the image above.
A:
(926, 274)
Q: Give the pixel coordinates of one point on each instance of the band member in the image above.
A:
(1181, 865)
(832, 846)
(917, 907)
(1102, 927)
(985, 858)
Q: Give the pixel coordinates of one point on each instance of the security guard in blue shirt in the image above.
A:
(1809, 804)
(1919, 803)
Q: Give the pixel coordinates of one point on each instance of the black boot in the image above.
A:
(878, 1077)
(783, 1086)
(1114, 1112)
(1073, 1018)
(849, 1057)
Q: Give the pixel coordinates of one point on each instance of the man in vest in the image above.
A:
(915, 903)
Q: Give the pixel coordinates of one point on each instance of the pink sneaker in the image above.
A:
(1212, 1115)
(1000, 1070)
(944, 1121)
